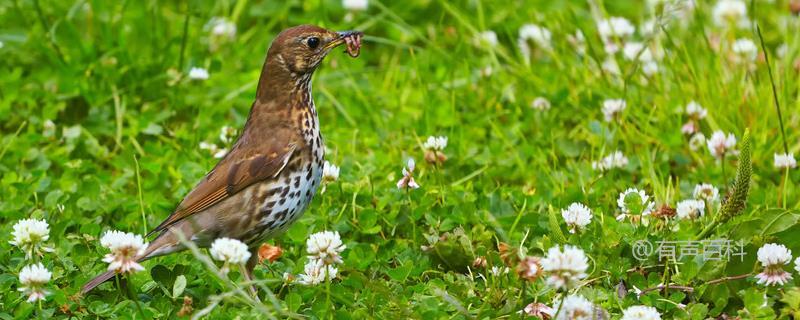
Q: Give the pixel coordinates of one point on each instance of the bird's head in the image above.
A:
(300, 49)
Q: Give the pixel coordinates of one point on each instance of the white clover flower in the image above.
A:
(355, 5)
(204, 145)
(540, 103)
(538, 309)
(641, 313)
(705, 191)
(690, 209)
(30, 235)
(633, 51)
(648, 27)
(213, 149)
(577, 216)
(745, 49)
(785, 161)
(433, 149)
(727, 12)
(125, 248)
(642, 201)
(610, 65)
(1, 44)
(615, 27)
(288, 277)
(649, 68)
(564, 268)
(695, 111)
(198, 74)
(697, 141)
(497, 271)
(325, 246)
(773, 257)
(330, 172)
(578, 40)
(229, 251)
(782, 50)
(221, 27)
(614, 160)
(720, 144)
(227, 134)
(317, 272)
(407, 181)
(435, 143)
(33, 278)
(530, 32)
(487, 38)
(678, 9)
(690, 127)
(612, 108)
(575, 307)
(797, 264)
(540, 35)
(49, 129)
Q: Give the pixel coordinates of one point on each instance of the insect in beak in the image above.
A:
(352, 41)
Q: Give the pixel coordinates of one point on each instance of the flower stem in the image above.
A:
(132, 296)
(327, 289)
(560, 304)
(703, 234)
(782, 196)
(774, 90)
(522, 298)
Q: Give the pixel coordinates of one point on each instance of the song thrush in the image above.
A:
(271, 173)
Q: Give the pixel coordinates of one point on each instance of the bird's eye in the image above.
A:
(313, 42)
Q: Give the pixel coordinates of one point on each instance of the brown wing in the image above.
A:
(252, 159)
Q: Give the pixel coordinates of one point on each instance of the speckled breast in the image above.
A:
(280, 202)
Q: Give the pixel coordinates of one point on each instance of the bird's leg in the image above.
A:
(247, 272)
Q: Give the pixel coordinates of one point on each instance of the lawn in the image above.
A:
(603, 159)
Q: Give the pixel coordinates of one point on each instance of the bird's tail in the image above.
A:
(105, 276)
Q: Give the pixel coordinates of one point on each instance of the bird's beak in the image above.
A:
(345, 36)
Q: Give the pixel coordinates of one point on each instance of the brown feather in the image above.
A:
(245, 164)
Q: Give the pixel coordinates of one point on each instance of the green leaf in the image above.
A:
(757, 304)
(401, 272)
(293, 301)
(179, 286)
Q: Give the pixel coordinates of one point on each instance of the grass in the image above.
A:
(123, 152)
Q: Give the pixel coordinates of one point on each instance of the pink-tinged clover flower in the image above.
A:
(773, 257)
(33, 278)
(407, 181)
(125, 249)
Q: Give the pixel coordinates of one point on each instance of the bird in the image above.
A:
(271, 173)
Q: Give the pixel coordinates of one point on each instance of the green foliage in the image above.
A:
(101, 128)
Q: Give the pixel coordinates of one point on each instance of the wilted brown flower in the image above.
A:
(538, 309)
(506, 253)
(437, 157)
(269, 252)
(479, 262)
(794, 7)
(64, 308)
(664, 212)
(186, 309)
(530, 268)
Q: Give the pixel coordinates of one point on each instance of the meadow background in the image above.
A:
(101, 129)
